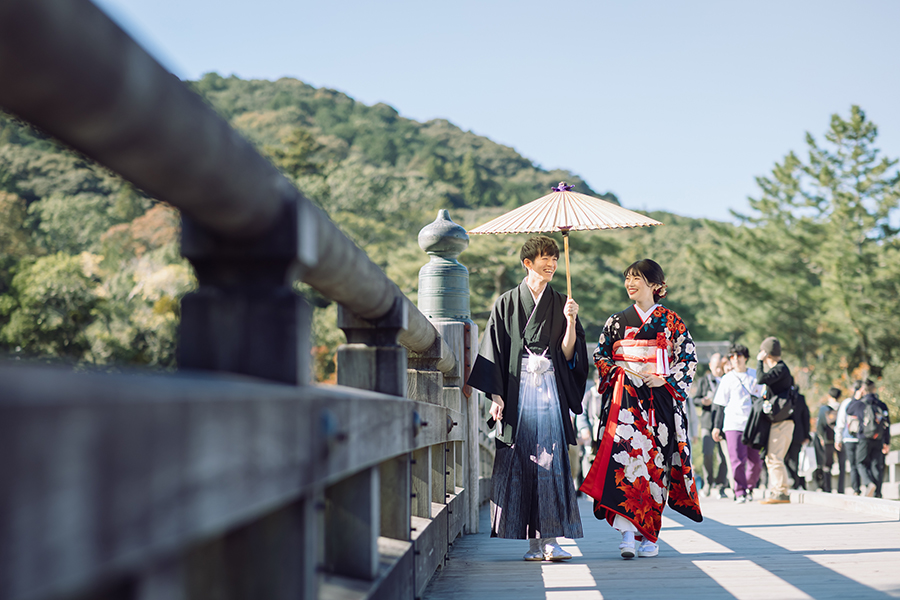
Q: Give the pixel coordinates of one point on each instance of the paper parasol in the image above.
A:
(564, 210)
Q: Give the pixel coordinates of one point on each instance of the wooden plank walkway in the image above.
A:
(743, 551)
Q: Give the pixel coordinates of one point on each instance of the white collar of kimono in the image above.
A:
(537, 299)
(643, 315)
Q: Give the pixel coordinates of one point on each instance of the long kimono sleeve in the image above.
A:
(684, 358)
(603, 355)
(489, 371)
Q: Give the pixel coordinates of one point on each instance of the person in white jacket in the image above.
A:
(846, 442)
(734, 395)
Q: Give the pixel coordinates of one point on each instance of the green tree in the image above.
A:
(15, 241)
(142, 279)
(73, 224)
(813, 261)
(298, 154)
(853, 194)
(379, 176)
(51, 302)
(472, 184)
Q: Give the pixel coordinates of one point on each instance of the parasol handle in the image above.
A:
(568, 273)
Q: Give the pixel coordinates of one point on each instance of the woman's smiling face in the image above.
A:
(639, 290)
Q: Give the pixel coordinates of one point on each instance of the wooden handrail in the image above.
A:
(156, 483)
(69, 69)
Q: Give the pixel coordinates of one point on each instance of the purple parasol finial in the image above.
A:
(562, 187)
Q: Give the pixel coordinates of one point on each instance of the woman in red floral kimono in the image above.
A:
(646, 359)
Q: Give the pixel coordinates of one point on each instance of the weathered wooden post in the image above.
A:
(245, 318)
(372, 359)
(444, 299)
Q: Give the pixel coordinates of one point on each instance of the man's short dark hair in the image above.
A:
(835, 393)
(539, 245)
(738, 350)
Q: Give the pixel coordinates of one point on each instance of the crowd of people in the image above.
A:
(753, 426)
(739, 412)
(625, 438)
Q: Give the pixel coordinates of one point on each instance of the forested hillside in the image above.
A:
(382, 178)
(90, 271)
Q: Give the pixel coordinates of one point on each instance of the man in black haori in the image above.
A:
(533, 365)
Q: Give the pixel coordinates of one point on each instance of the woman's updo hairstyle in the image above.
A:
(652, 272)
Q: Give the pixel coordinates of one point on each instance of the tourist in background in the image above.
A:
(824, 441)
(801, 436)
(773, 373)
(873, 432)
(735, 397)
(845, 442)
(715, 476)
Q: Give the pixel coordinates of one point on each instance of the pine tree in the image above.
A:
(814, 261)
(853, 194)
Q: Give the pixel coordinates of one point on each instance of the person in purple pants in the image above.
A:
(734, 396)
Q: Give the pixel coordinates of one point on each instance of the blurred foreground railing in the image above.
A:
(235, 478)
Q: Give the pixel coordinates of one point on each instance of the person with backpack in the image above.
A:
(778, 405)
(824, 441)
(845, 441)
(873, 430)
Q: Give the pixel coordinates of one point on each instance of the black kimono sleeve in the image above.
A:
(489, 371)
(494, 371)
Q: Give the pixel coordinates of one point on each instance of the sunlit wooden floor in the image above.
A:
(743, 551)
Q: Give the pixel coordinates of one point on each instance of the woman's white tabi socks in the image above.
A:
(647, 549)
(626, 548)
(631, 547)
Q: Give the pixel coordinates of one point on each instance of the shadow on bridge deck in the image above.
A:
(748, 551)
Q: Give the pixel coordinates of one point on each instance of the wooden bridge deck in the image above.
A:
(792, 551)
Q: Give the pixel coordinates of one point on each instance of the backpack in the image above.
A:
(870, 428)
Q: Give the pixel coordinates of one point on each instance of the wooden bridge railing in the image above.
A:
(235, 478)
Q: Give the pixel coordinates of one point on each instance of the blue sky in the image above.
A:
(670, 105)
